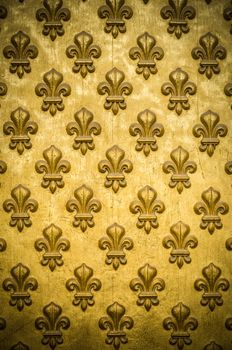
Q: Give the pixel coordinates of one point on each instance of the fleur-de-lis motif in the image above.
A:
(115, 166)
(227, 13)
(2, 324)
(52, 243)
(229, 243)
(51, 324)
(84, 204)
(209, 129)
(20, 50)
(115, 11)
(53, 89)
(209, 50)
(211, 285)
(83, 127)
(147, 129)
(3, 167)
(210, 208)
(115, 242)
(228, 167)
(228, 90)
(178, 11)
(3, 89)
(179, 241)
(179, 166)
(115, 322)
(20, 127)
(228, 324)
(84, 51)
(20, 205)
(20, 346)
(115, 87)
(53, 14)
(146, 52)
(19, 285)
(147, 284)
(3, 13)
(147, 206)
(178, 89)
(84, 284)
(3, 245)
(213, 346)
(180, 323)
(52, 168)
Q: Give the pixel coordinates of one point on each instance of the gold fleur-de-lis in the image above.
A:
(115, 242)
(52, 243)
(3, 167)
(228, 167)
(115, 322)
(228, 90)
(213, 346)
(19, 346)
(229, 243)
(178, 11)
(83, 127)
(180, 323)
(147, 206)
(84, 284)
(147, 129)
(209, 129)
(20, 50)
(211, 285)
(209, 50)
(3, 89)
(52, 167)
(3, 245)
(146, 52)
(178, 88)
(115, 166)
(53, 14)
(179, 241)
(147, 284)
(51, 324)
(53, 88)
(179, 166)
(115, 88)
(210, 208)
(84, 51)
(20, 127)
(19, 285)
(20, 204)
(115, 11)
(84, 204)
(2, 324)
(227, 13)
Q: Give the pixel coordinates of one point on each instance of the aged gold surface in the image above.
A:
(115, 172)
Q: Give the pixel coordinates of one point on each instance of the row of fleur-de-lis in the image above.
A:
(115, 87)
(84, 284)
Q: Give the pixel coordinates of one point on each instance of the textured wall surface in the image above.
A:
(115, 172)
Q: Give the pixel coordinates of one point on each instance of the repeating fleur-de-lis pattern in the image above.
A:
(115, 174)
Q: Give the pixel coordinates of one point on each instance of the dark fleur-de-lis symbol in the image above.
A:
(178, 88)
(84, 51)
(146, 52)
(19, 127)
(19, 286)
(115, 88)
(116, 243)
(209, 129)
(180, 323)
(115, 322)
(20, 51)
(180, 166)
(228, 324)
(3, 89)
(228, 90)
(84, 284)
(52, 244)
(147, 206)
(84, 204)
(213, 346)
(115, 11)
(84, 127)
(211, 285)
(115, 165)
(20, 204)
(3, 245)
(51, 325)
(178, 11)
(19, 346)
(53, 14)
(227, 13)
(3, 12)
(147, 129)
(211, 207)
(52, 167)
(179, 241)
(2, 324)
(229, 243)
(147, 284)
(228, 167)
(3, 167)
(53, 88)
(209, 50)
